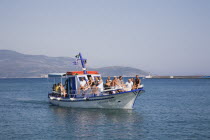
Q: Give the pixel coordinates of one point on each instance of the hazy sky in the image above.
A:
(165, 37)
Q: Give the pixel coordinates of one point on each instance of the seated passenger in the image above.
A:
(109, 79)
(96, 81)
(114, 84)
(100, 84)
(63, 91)
(120, 84)
(94, 89)
(117, 83)
(90, 81)
(134, 84)
(54, 87)
(83, 85)
(120, 80)
(129, 85)
(107, 85)
(57, 87)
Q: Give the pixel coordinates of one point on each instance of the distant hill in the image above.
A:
(17, 65)
(119, 70)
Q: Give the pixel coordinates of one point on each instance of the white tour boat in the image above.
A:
(70, 94)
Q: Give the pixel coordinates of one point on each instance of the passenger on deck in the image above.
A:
(121, 82)
(132, 79)
(90, 81)
(94, 89)
(134, 86)
(109, 79)
(107, 85)
(63, 91)
(114, 84)
(129, 85)
(137, 82)
(96, 81)
(58, 88)
(100, 84)
(54, 87)
(83, 85)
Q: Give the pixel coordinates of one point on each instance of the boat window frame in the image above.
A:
(96, 76)
(79, 78)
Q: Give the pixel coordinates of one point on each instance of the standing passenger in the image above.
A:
(137, 82)
(100, 84)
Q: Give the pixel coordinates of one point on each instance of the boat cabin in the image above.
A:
(71, 81)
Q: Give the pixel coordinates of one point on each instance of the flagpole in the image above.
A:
(83, 64)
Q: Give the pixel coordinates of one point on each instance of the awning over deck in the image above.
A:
(51, 75)
(80, 72)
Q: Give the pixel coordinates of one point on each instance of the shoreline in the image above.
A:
(177, 77)
(144, 77)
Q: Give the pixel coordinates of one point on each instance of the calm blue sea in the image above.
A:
(169, 109)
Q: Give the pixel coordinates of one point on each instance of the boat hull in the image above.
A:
(123, 100)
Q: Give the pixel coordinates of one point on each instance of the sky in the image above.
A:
(163, 37)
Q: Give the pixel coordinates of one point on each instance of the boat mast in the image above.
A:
(83, 61)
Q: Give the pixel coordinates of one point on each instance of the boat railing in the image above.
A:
(87, 92)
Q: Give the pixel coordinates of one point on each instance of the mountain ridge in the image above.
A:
(17, 65)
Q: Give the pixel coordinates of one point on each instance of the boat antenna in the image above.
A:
(83, 62)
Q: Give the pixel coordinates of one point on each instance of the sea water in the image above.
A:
(169, 109)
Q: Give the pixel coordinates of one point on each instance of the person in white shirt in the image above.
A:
(83, 83)
(129, 85)
(100, 84)
(83, 86)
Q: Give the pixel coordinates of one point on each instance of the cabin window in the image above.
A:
(88, 76)
(80, 78)
(95, 77)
